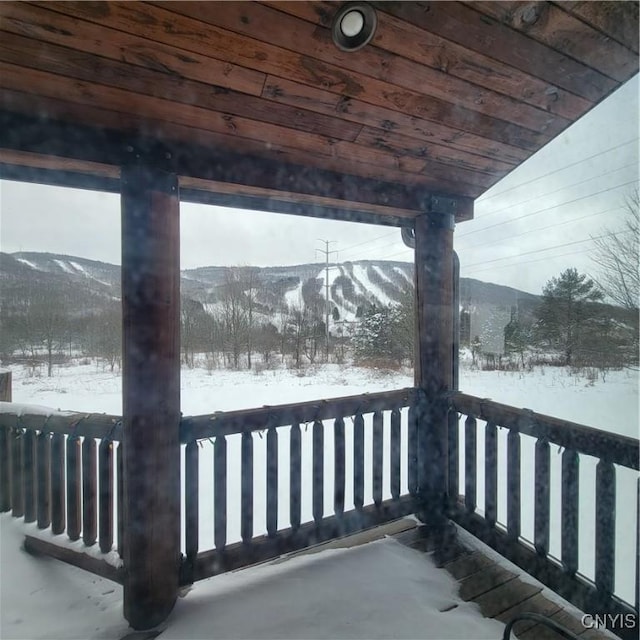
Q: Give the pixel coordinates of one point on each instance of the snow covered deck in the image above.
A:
(376, 584)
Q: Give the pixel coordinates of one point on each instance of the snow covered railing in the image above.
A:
(292, 489)
(57, 470)
(540, 511)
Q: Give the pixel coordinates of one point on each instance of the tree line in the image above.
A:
(49, 318)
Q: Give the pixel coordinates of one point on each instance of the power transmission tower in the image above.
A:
(326, 253)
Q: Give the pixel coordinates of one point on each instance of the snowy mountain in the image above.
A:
(351, 284)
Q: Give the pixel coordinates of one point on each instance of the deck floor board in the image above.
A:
(498, 591)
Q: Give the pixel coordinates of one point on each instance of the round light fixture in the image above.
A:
(353, 26)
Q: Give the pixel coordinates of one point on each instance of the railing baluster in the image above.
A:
(191, 477)
(220, 492)
(5, 469)
(513, 484)
(29, 449)
(605, 527)
(412, 450)
(394, 454)
(272, 481)
(491, 474)
(246, 490)
(120, 508)
(89, 491)
(105, 471)
(295, 475)
(470, 465)
(17, 486)
(542, 504)
(74, 480)
(57, 483)
(358, 461)
(378, 444)
(318, 472)
(452, 428)
(43, 455)
(570, 493)
(338, 466)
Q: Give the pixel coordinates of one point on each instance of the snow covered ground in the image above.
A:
(611, 404)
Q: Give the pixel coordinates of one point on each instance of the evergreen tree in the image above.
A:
(565, 315)
(516, 336)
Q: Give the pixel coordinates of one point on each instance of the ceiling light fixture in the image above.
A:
(353, 26)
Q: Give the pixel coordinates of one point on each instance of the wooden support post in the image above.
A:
(434, 357)
(151, 393)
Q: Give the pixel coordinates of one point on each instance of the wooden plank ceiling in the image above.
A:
(253, 100)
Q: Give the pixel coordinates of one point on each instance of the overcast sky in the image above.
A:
(528, 228)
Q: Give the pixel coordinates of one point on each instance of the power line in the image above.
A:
(568, 166)
(364, 252)
(557, 246)
(519, 264)
(397, 253)
(568, 186)
(556, 206)
(386, 235)
(550, 226)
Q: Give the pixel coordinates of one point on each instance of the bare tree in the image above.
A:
(251, 283)
(50, 315)
(190, 312)
(234, 313)
(616, 254)
(108, 329)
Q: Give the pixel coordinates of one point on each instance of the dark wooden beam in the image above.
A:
(41, 137)
(151, 393)
(434, 353)
(84, 561)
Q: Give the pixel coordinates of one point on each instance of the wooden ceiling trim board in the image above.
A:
(166, 133)
(404, 39)
(170, 134)
(385, 120)
(90, 68)
(144, 106)
(54, 59)
(114, 147)
(475, 31)
(618, 20)
(563, 32)
(42, 24)
(50, 26)
(189, 34)
(280, 29)
(398, 144)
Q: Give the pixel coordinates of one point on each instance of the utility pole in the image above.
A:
(326, 253)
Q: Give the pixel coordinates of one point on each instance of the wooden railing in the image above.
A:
(480, 515)
(262, 482)
(58, 471)
(358, 419)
